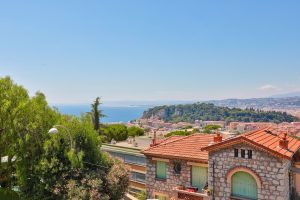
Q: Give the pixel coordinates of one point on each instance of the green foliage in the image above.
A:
(196, 130)
(120, 132)
(135, 131)
(96, 113)
(25, 122)
(187, 127)
(142, 196)
(211, 128)
(182, 133)
(117, 180)
(210, 112)
(65, 165)
(117, 132)
(7, 194)
(85, 170)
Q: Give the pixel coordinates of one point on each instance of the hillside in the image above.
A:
(210, 112)
(286, 103)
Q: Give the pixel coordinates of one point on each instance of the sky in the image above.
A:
(138, 50)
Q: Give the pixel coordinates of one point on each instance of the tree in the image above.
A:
(210, 128)
(25, 122)
(96, 113)
(135, 131)
(180, 133)
(210, 112)
(117, 132)
(46, 166)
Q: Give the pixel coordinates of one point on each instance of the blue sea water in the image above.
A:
(113, 114)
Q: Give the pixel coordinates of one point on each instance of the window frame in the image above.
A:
(236, 153)
(191, 175)
(243, 153)
(250, 154)
(156, 174)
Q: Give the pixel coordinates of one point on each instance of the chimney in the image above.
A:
(218, 138)
(283, 142)
(154, 142)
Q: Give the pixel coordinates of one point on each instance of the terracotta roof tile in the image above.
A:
(182, 147)
(266, 139)
(196, 146)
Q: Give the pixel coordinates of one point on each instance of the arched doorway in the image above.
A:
(243, 185)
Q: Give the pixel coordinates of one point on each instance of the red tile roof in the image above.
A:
(182, 147)
(266, 139)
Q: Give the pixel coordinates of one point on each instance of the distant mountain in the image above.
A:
(285, 103)
(211, 112)
(290, 94)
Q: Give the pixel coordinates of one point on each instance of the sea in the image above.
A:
(120, 114)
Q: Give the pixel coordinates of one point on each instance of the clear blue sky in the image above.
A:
(74, 51)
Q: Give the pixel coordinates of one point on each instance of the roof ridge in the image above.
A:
(256, 131)
(159, 145)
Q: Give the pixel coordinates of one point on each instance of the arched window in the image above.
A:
(243, 185)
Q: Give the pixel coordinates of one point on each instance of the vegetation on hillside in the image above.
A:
(64, 164)
(182, 132)
(210, 112)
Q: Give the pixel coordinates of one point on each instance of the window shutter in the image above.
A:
(199, 177)
(161, 170)
(244, 185)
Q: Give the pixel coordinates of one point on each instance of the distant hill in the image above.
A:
(291, 94)
(211, 112)
(285, 103)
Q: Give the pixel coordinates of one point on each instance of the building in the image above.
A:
(177, 164)
(130, 152)
(261, 164)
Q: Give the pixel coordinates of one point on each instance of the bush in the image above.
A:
(142, 196)
(182, 133)
(135, 131)
(117, 132)
(210, 128)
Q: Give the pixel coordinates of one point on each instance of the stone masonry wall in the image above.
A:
(273, 172)
(172, 180)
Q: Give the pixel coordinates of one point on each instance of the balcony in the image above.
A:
(187, 194)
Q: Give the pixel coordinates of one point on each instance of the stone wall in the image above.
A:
(173, 180)
(272, 171)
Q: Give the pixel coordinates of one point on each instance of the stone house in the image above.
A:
(261, 164)
(177, 164)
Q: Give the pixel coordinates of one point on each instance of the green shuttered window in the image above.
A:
(244, 185)
(161, 170)
(199, 177)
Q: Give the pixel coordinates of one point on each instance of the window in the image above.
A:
(243, 185)
(131, 159)
(177, 168)
(199, 177)
(160, 197)
(139, 177)
(250, 154)
(134, 190)
(161, 170)
(236, 153)
(243, 153)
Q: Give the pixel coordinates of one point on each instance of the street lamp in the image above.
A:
(54, 130)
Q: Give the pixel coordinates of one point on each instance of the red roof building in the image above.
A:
(261, 164)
